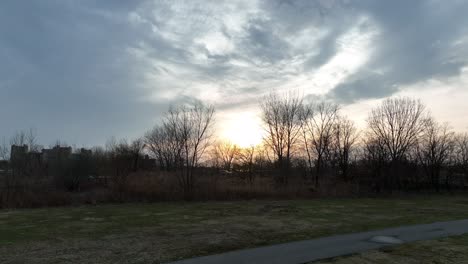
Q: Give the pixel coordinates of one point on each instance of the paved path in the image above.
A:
(333, 246)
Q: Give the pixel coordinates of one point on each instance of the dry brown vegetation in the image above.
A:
(310, 150)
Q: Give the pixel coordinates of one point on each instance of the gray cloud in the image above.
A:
(84, 71)
(415, 44)
(67, 71)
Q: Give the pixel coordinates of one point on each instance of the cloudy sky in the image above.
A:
(82, 71)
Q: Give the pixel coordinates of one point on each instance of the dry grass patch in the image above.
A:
(159, 232)
(453, 250)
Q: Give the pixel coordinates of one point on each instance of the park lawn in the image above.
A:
(160, 232)
(451, 250)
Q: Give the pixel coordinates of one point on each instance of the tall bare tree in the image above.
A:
(191, 130)
(124, 157)
(317, 121)
(375, 157)
(280, 116)
(136, 149)
(344, 138)
(247, 160)
(155, 140)
(165, 146)
(397, 124)
(461, 153)
(434, 150)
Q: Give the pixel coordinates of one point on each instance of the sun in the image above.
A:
(243, 129)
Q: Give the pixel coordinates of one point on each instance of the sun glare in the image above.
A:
(243, 129)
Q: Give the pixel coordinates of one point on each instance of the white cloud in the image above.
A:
(354, 50)
(446, 98)
(216, 43)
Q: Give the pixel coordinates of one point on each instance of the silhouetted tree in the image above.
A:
(227, 153)
(247, 161)
(376, 160)
(164, 147)
(190, 130)
(281, 118)
(136, 148)
(461, 153)
(344, 137)
(434, 150)
(80, 167)
(123, 160)
(397, 124)
(317, 121)
(100, 165)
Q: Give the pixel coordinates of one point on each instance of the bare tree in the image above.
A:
(79, 168)
(4, 150)
(282, 123)
(262, 158)
(101, 168)
(181, 140)
(227, 153)
(461, 153)
(434, 150)
(124, 157)
(136, 148)
(317, 123)
(25, 170)
(247, 160)
(397, 124)
(164, 147)
(190, 129)
(155, 140)
(375, 156)
(344, 137)
(28, 138)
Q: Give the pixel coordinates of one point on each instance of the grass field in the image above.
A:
(159, 232)
(453, 250)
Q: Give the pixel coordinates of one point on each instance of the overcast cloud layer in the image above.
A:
(82, 71)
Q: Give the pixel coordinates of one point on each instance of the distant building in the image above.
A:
(81, 154)
(23, 161)
(56, 153)
(18, 152)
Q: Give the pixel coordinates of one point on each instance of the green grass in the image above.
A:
(452, 250)
(150, 233)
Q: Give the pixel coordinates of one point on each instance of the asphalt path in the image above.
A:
(327, 247)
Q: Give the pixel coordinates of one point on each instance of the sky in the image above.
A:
(83, 71)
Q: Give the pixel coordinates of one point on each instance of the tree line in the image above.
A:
(402, 147)
(310, 145)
